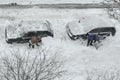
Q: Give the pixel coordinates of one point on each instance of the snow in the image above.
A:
(76, 27)
(17, 28)
(96, 21)
(87, 23)
(77, 56)
(48, 1)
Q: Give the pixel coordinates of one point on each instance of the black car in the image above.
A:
(26, 36)
(13, 4)
(103, 32)
(80, 29)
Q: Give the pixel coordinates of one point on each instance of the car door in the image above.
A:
(27, 36)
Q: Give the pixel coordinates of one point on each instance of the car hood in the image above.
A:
(88, 23)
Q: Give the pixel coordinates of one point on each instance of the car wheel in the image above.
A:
(32, 46)
(29, 44)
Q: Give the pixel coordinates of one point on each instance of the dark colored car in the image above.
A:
(103, 32)
(13, 4)
(77, 31)
(26, 36)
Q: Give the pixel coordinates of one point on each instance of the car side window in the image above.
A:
(25, 35)
(28, 34)
(96, 30)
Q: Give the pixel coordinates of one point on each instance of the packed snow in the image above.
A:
(77, 56)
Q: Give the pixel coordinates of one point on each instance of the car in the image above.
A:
(42, 30)
(81, 28)
(13, 4)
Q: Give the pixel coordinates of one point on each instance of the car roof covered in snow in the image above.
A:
(17, 28)
(88, 23)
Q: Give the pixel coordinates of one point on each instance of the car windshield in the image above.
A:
(29, 34)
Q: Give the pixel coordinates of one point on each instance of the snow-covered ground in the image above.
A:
(78, 57)
(48, 1)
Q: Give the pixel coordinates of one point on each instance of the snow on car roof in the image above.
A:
(88, 23)
(74, 27)
(17, 28)
(34, 25)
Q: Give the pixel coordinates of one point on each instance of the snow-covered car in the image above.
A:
(23, 31)
(90, 25)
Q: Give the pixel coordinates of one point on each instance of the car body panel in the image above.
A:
(87, 23)
(103, 32)
(90, 25)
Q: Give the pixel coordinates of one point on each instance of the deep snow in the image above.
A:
(78, 57)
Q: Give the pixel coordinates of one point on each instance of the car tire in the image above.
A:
(33, 46)
(29, 44)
